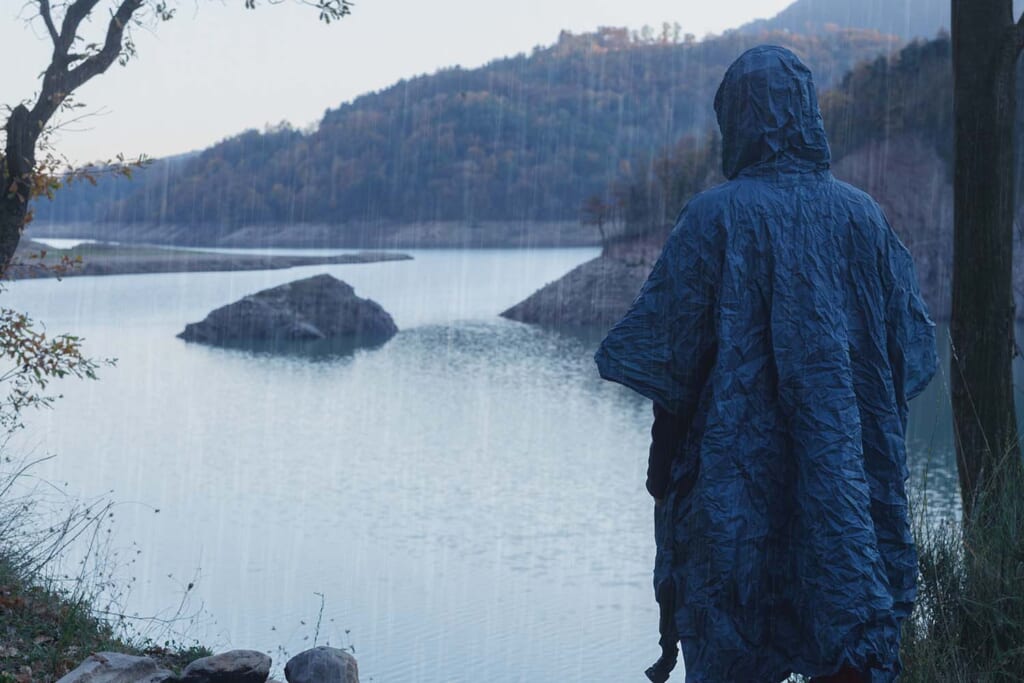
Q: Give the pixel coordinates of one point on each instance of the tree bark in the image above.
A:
(985, 47)
(18, 165)
(12, 221)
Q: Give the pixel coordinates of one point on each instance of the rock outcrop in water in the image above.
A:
(320, 308)
(595, 294)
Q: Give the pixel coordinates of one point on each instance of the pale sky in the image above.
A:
(217, 69)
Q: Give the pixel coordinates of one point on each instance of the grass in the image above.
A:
(968, 623)
(51, 619)
(47, 633)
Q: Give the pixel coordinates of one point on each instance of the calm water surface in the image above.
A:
(468, 499)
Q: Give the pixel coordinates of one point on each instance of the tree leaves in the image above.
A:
(33, 361)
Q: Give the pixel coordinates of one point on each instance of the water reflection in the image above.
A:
(933, 484)
(313, 350)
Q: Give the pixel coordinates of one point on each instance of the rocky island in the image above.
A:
(594, 294)
(319, 308)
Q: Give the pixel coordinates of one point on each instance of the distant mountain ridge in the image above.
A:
(522, 139)
(907, 19)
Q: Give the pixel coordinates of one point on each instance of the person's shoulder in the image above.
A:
(709, 201)
(743, 193)
(866, 216)
(857, 200)
(725, 192)
(713, 213)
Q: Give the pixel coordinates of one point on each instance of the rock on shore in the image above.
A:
(595, 294)
(317, 308)
(322, 665)
(114, 667)
(237, 666)
(318, 665)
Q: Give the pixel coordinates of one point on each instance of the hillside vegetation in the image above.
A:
(889, 122)
(525, 138)
(884, 98)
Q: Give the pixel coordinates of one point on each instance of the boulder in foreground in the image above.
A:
(322, 665)
(236, 666)
(113, 667)
(315, 309)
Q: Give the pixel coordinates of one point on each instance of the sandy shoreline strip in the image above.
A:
(110, 259)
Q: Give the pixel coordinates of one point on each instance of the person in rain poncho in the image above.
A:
(781, 333)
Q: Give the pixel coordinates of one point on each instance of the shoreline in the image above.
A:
(508, 234)
(122, 259)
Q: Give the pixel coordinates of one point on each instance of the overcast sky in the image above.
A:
(217, 69)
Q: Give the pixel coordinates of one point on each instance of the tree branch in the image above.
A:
(59, 82)
(101, 61)
(47, 15)
(73, 17)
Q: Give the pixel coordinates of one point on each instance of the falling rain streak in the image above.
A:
(467, 498)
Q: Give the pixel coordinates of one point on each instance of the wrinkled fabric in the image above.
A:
(783, 324)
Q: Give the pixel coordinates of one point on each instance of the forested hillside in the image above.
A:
(909, 93)
(890, 127)
(526, 138)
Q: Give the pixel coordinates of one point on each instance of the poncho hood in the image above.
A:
(767, 110)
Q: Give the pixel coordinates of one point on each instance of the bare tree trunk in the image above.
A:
(12, 219)
(985, 47)
(18, 165)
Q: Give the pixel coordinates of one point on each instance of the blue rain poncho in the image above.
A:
(783, 325)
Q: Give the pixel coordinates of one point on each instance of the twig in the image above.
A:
(319, 619)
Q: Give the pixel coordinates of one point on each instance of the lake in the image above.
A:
(465, 503)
